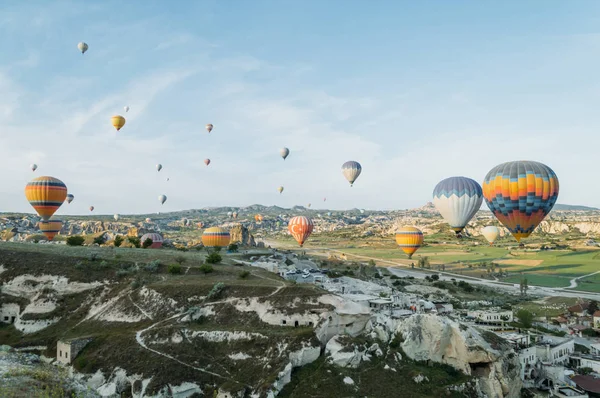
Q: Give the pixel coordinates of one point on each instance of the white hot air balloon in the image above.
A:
(162, 199)
(116, 217)
(351, 170)
(83, 47)
(33, 167)
(159, 167)
(148, 219)
(490, 233)
(457, 199)
(126, 108)
(284, 152)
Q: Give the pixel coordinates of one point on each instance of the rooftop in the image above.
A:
(588, 383)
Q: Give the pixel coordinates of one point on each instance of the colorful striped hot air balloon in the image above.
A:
(117, 121)
(351, 171)
(50, 228)
(70, 198)
(157, 240)
(521, 194)
(490, 233)
(457, 199)
(300, 227)
(46, 195)
(215, 237)
(409, 239)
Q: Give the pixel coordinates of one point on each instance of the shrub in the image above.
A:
(180, 260)
(134, 240)
(435, 277)
(206, 268)
(233, 247)
(152, 266)
(118, 240)
(147, 243)
(93, 256)
(174, 268)
(99, 240)
(182, 249)
(75, 240)
(216, 291)
(217, 249)
(214, 258)
(244, 274)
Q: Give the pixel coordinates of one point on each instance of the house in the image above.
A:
(596, 319)
(443, 308)
(589, 384)
(595, 349)
(585, 361)
(561, 321)
(491, 317)
(569, 392)
(67, 350)
(576, 329)
(528, 359)
(555, 350)
(381, 304)
(579, 309)
(9, 313)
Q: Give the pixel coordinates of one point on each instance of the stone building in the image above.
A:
(9, 313)
(67, 350)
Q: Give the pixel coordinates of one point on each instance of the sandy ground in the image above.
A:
(529, 263)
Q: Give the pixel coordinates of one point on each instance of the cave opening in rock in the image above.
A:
(480, 369)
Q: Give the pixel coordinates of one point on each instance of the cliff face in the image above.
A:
(482, 355)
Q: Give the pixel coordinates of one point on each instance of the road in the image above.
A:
(402, 270)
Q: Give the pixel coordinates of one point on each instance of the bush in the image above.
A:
(99, 240)
(180, 260)
(118, 240)
(233, 247)
(214, 258)
(174, 268)
(152, 266)
(216, 291)
(217, 249)
(206, 268)
(93, 256)
(244, 274)
(435, 277)
(147, 243)
(75, 240)
(134, 240)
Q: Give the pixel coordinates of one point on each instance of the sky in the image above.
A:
(414, 91)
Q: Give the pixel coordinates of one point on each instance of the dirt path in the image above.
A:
(573, 284)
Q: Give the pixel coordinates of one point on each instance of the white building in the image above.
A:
(555, 350)
(9, 313)
(491, 317)
(586, 361)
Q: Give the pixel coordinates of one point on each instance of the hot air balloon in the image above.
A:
(351, 171)
(490, 233)
(280, 189)
(157, 240)
(300, 227)
(409, 239)
(162, 199)
(148, 219)
(258, 218)
(91, 208)
(207, 161)
(215, 237)
(46, 195)
(308, 205)
(229, 214)
(234, 214)
(200, 224)
(167, 178)
(284, 152)
(159, 167)
(33, 167)
(118, 121)
(83, 47)
(520, 194)
(209, 127)
(126, 108)
(50, 228)
(324, 199)
(116, 217)
(457, 199)
(70, 198)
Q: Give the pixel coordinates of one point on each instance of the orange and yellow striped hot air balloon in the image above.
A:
(46, 195)
(215, 237)
(409, 239)
(300, 227)
(118, 121)
(258, 218)
(50, 228)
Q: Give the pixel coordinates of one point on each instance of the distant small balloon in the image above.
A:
(207, 162)
(148, 219)
(83, 47)
(33, 167)
(70, 198)
(118, 121)
(280, 189)
(162, 199)
(209, 127)
(91, 208)
(284, 152)
(159, 167)
(126, 108)
(116, 217)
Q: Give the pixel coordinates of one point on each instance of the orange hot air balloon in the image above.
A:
(200, 224)
(300, 227)
(46, 195)
(50, 228)
(409, 239)
(258, 218)
(118, 121)
(215, 237)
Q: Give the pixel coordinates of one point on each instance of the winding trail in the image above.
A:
(573, 281)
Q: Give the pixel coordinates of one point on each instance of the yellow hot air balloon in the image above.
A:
(118, 121)
(280, 189)
(50, 228)
(215, 237)
(409, 239)
(490, 233)
(46, 195)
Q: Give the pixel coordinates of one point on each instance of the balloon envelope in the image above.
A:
(46, 194)
(162, 199)
(457, 199)
(33, 167)
(215, 237)
(70, 198)
(50, 228)
(117, 121)
(207, 162)
(91, 208)
(159, 167)
(209, 127)
(284, 152)
(351, 171)
(157, 240)
(409, 239)
(148, 220)
(116, 217)
(521, 194)
(490, 233)
(83, 47)
(126, 108)
(300, 227)
(280, 189)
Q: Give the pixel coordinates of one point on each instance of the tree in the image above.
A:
(99, 239)
(118, 240)
(147, 243)
(233, 247)
(372, 263)
(180, 260)
(525, 318)
(524, 286)
(206, 268)
(593, 307)
(435, 277)
(174, 268)
(412, 265)
(134, 240)
(443, 267)
(426, 262)
(214, 258)
(75, 240)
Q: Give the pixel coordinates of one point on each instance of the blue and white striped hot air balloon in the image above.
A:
(457, 199)
(351, 171)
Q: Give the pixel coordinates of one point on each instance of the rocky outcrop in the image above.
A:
(483, 355)
(240, 235)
